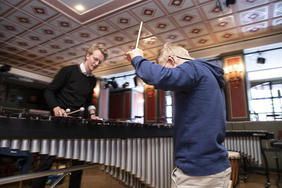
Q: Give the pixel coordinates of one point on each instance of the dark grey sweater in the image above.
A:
(70, 89)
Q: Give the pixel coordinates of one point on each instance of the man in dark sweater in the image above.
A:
(200, 124)
(72, 88)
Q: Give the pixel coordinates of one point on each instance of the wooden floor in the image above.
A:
(94, 178)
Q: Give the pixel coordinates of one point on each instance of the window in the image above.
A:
(168, 106)
(266, 101)
(264, 82)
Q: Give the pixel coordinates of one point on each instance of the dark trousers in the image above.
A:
(25, 164)
(75, 178)
(46, 163)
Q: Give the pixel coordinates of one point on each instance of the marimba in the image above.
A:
(248, 144)
(277, 144)
(135, 154)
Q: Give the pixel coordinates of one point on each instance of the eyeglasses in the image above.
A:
(184, 58)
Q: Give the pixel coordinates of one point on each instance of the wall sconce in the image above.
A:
(150, 91)
(234, 73)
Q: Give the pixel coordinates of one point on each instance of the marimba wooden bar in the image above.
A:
(136, 154)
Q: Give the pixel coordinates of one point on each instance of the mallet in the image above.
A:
(80, 110)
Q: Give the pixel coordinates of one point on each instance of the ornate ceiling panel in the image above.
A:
(42, 36)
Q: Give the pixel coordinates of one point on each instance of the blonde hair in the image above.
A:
(99, 47)
(169, 50)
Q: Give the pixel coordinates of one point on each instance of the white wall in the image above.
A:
(271, 69)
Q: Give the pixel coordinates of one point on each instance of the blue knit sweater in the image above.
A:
(200, 123)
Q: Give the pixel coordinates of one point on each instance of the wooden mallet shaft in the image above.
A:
(72, 112)
(81, 109)
(139, 33)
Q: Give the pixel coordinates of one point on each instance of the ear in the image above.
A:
(171, 60)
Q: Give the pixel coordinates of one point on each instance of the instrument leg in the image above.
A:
(76, 176)
(253, 171)
(278, 173)
(46, 162)
(266, 166)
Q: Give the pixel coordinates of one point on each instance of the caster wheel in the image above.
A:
(267, 185)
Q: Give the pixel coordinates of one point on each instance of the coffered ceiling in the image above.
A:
(42, 36)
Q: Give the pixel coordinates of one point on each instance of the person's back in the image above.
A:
(200, 123)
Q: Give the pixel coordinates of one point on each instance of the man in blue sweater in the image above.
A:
(72, 88)
(200, 125)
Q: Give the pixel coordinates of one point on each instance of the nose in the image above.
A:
(96, 63)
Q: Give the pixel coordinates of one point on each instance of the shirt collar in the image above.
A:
(83, 70)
